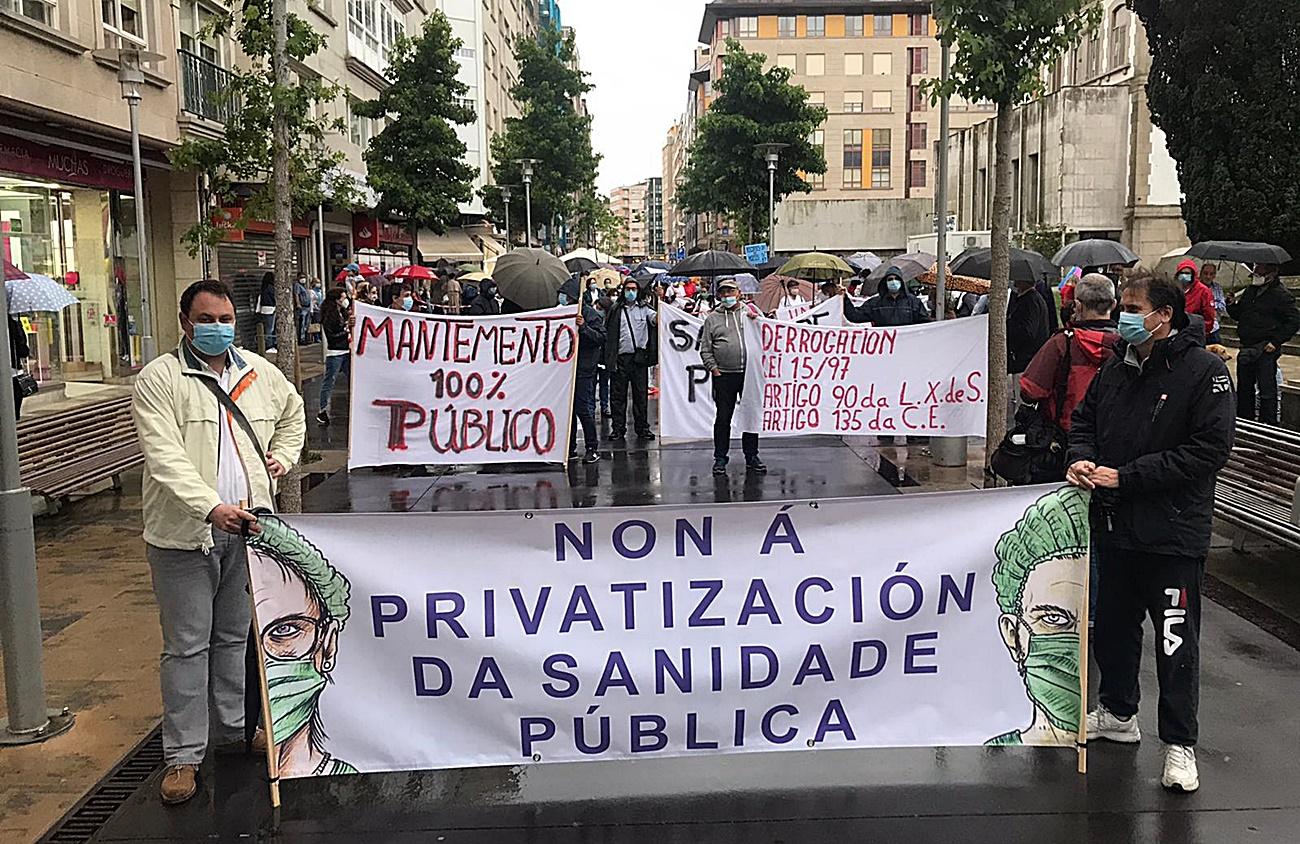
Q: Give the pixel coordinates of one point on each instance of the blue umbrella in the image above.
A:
(37, 293)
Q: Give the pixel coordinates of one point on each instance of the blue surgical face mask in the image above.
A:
(893, 285)
(214, 338)
(1185, 278)
(564, 298)
(629, 295)
(729, 301)
(1133, 328)
(407, 303)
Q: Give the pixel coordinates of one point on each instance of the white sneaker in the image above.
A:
(1104, 724)
(1180, 769)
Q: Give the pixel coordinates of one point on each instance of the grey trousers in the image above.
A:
(204, 607)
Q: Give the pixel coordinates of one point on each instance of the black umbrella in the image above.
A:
(581, 265)
(1095, 252)
(765, 270)
(572, 289)
(1025, 265)
(911, 266)
(712, 262)
(1240, 251)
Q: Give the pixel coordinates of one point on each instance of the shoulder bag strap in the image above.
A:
(228, 404)
(630, 329)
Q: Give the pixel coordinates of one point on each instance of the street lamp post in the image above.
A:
(507, 192)
(772, 155)
(20, 615)
(527, 166)
(130, 75)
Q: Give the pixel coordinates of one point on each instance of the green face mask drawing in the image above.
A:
(302, 604)
(1040, 579)
(1052, 677)
(294, 688)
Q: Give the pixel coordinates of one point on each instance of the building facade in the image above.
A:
(66, 186)
(628, 204)
(865, 64)
(654, 217)
(1085, 156)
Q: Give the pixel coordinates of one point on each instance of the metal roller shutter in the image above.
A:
(240, 268)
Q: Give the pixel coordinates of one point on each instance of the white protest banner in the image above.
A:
(686, 407)
(444, 389)
(920, 379)
(420, 641)
(827, 379)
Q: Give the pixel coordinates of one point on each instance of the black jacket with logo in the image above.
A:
(1265, 314)
(1168, 428)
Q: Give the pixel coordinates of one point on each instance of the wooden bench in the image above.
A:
(62, 452)
(1259, 490)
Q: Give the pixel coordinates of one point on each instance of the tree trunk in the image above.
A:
(999, 293)
(286, 323)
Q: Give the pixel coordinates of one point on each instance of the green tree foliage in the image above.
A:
(591, 220)
(241, 160)
(724, 173)
(417, 162)
(1225, 88)
(1000, 48)
(550, 129)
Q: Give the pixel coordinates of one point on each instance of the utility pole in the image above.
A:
(507, 192)
(20, 614)
(772, 154)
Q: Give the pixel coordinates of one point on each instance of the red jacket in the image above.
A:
(1092, 345)
(1200, 299)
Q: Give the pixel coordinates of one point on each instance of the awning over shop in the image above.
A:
(455, 245)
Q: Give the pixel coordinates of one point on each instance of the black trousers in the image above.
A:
(1257, 373)
(18, 401)
(627, 375)
(1168, 590)
(727, 389)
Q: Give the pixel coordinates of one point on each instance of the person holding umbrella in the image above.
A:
(631, 349)
(19, 351)
(892, 305)
(722, 350)
(1266, 321)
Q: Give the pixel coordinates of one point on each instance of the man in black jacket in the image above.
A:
(631, 349)
(892, 305)
(1027, 331)
(1152, 432)
(1267, 319)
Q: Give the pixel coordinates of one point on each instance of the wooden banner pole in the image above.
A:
(1082, 743)
(272, 754)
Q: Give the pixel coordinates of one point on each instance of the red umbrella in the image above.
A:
(367, 271)
(415, 271)
(12, 273)
(342, 276)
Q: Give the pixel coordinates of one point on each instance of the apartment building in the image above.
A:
(865, 63)
(654, 217)
(673, 159)
(66, 186)
(1085, 155)
(628, 204)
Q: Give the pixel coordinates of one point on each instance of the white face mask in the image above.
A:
(1259, 280)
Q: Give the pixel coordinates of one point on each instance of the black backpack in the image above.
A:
(1034, 451)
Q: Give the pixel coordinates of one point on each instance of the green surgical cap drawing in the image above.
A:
(1040, 579)
(302, 606)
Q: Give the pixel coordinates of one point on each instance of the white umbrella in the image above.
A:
(37, 293)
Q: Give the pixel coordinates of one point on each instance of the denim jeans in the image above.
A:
(584, 413)
(268, 330)
(333, 366)
(602, 378)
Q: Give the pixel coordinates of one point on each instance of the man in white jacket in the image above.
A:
(218, 428)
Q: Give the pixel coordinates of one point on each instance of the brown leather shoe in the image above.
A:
(259, 741)
(179, 783)
(243, 748)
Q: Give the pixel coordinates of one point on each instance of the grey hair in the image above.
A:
(1095, 293)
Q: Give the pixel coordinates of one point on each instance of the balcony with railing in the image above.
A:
(205, 88)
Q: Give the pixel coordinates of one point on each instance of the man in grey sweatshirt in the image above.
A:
(722, 350)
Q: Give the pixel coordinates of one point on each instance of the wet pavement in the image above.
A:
(1250, 682)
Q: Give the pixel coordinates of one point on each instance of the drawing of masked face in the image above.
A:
(1043, 639)
(300, 642)
(1041, 591)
